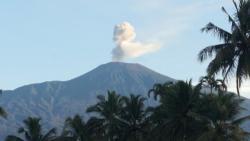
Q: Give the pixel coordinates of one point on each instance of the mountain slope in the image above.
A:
(54, 101)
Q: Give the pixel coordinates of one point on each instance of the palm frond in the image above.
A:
(51, 134)
(13, 138)
(235, 26)
(223, 61)
(209, 51)
(219, 32)
(241, 120)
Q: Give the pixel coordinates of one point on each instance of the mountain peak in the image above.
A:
(115, 70)
(121, 64)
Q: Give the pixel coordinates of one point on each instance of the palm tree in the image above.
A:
(32, 131)
(233, 55)
(222, 112)
(77, 129)
(108, 110)
(175, 116)
(134, 118)
(212, 83)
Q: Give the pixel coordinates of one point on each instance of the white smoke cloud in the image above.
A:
(127, 46)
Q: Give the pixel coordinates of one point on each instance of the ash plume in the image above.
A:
(127, 46)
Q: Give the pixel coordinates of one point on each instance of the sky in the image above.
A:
(45, 40)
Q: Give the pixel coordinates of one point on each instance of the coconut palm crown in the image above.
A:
(232, 56)
(32, 131)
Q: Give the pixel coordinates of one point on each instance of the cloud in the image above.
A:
(127, 46)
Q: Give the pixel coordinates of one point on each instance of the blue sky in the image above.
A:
(43, 40)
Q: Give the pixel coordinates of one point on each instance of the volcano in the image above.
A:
(54, 101)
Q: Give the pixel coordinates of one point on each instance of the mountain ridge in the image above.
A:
(54, 101)
(77, 77)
